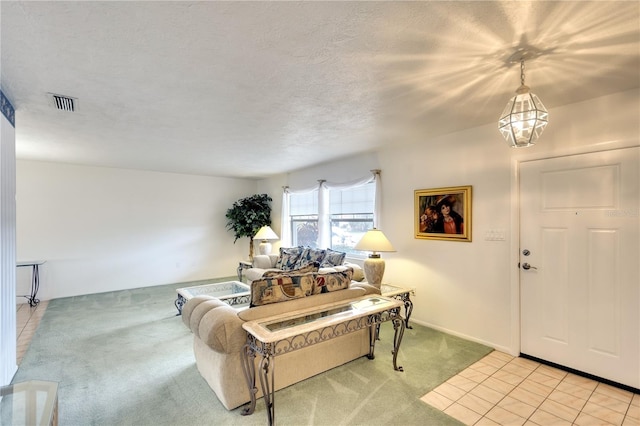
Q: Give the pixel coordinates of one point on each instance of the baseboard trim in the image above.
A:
(582, 373)
(499, 348)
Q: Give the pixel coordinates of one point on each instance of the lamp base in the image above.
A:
(264, 247)
(374, 270)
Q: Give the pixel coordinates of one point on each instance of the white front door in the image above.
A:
(580, 262)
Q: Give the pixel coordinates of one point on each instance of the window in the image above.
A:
(303, 212)
(349, 214)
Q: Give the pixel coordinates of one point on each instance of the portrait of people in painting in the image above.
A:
(442, 212)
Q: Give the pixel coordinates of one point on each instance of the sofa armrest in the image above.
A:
(195, 308)
(367, 287)
(265, 261)
(222, 331)
(257, 273)
(215, 323)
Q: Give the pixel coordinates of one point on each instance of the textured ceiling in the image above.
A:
(250, 89)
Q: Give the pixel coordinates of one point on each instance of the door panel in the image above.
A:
(579, 221)
(553, 284)
(582, 188)
(603, 301)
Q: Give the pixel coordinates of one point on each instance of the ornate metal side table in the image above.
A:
(400, 293)
(35, 279)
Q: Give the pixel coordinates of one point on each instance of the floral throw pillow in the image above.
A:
(281, 288)
(310, 255)
(333, 281)
(332, 258)
(288, 258)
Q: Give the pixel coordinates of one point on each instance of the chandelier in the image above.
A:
(524, 118)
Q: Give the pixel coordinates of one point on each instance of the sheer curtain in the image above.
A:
(324, 224)
(323, 188)
(285, 229)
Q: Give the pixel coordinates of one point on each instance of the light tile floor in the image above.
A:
(497, 390)
(503, 390)
(27, 320)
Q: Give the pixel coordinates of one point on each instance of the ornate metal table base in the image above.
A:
(180, 301)
(402, 294)
(408, 306)
(35, 280)
(242, 265)
(269, 351)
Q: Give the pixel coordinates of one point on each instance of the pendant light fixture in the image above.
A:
(524, 118)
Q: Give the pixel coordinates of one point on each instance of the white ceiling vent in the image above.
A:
(63, 103)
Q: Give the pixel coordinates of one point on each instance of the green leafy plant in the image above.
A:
(247, 216)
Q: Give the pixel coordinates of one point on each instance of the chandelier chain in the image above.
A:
(522, 72)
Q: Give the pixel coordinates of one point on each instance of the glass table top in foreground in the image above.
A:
(341, 310)
(33, 402)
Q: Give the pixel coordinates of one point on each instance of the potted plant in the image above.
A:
(247, 216)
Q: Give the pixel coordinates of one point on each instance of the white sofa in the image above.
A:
(218, 339)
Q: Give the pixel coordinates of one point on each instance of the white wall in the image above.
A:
(102, 229)
(460, 286)
(105, 229)
(471, 289)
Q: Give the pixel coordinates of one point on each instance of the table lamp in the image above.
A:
(375, 241)
(265, 234)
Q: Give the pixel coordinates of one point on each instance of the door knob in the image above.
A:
(526, 266)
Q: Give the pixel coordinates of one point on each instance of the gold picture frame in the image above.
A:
(443, 213)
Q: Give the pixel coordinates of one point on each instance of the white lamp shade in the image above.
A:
(265, 233)
(374, 240)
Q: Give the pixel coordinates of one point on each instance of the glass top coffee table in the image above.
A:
(234, 293)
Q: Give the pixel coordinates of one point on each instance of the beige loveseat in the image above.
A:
(218, 339)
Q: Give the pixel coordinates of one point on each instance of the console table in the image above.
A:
(277, 335)
(35, 279)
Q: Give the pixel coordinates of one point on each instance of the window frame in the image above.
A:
(328, 221)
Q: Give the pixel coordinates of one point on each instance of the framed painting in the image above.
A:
(443, 213)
